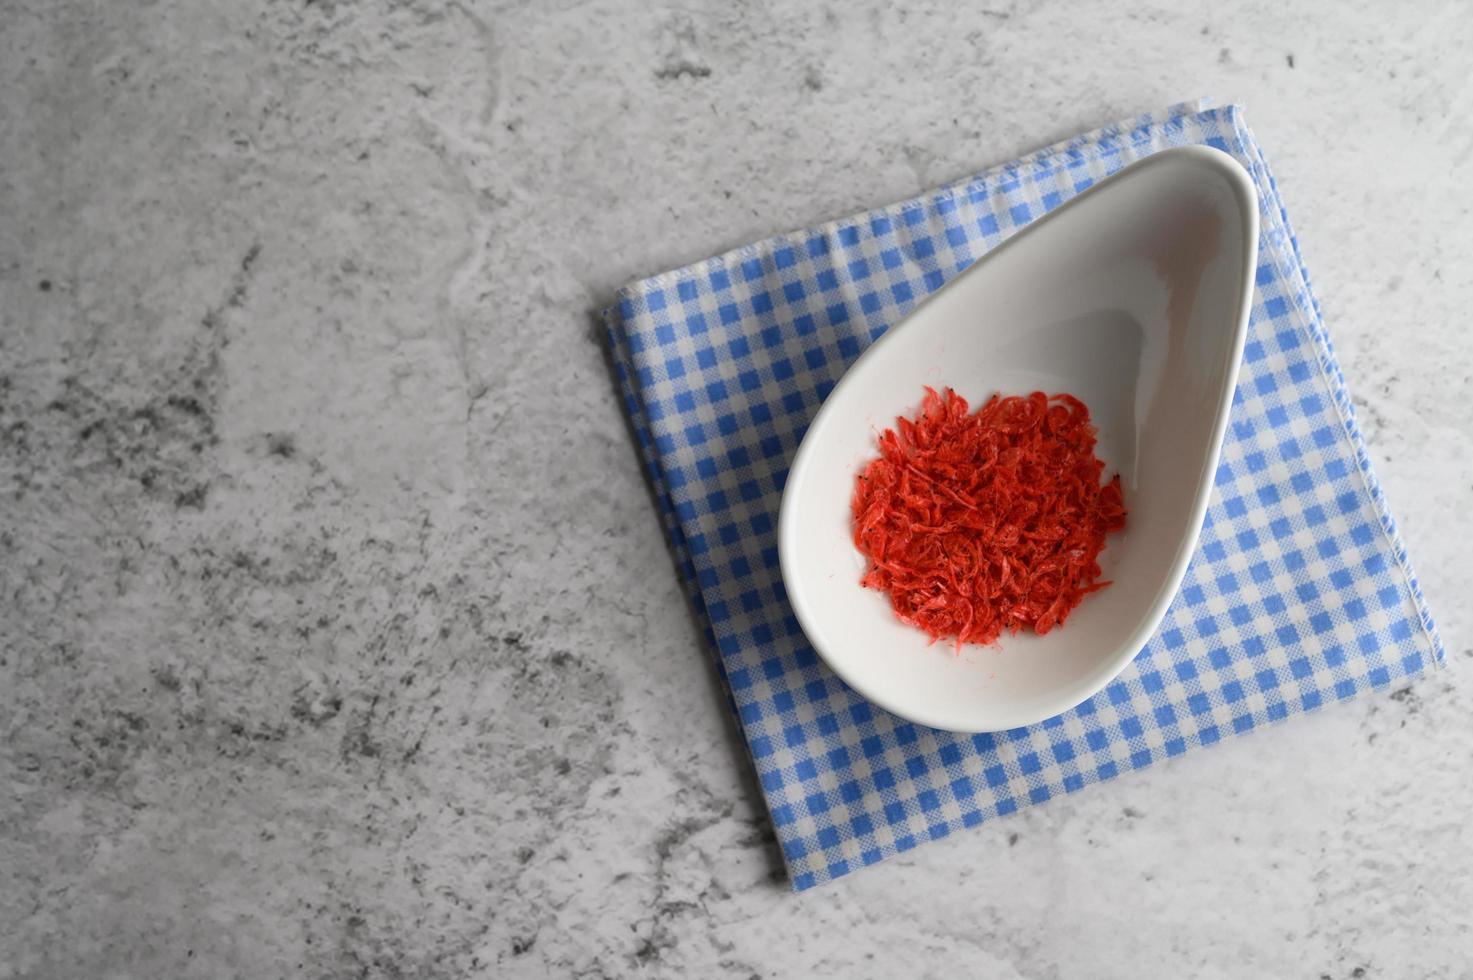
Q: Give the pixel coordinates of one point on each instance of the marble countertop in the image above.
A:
(337, 633)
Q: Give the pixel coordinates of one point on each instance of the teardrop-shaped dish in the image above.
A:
(1134, 297)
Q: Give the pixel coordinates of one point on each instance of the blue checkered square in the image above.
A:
(1299, 594)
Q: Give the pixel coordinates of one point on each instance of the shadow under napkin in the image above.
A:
(720, 690)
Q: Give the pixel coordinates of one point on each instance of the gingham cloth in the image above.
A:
(1300, 593)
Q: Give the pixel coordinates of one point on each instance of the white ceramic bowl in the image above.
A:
(1134, 297)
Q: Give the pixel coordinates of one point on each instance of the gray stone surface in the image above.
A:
(337, 633)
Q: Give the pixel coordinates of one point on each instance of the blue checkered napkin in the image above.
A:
(1300, 593)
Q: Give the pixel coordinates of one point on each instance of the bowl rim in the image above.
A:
(787, 532)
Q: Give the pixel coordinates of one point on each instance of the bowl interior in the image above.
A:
(1132, 297)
